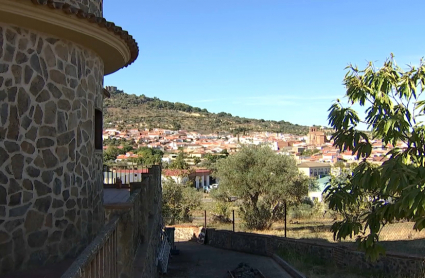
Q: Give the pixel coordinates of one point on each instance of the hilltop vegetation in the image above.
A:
(141, 111)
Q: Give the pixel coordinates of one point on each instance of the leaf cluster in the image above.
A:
(179, 163)
(149, 156)
(179, 201)
(394, 190)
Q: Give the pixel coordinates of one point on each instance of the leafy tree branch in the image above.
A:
(396, 189)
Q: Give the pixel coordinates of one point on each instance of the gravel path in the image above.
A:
(196, 260)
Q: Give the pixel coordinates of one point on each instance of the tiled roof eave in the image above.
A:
(93, 19)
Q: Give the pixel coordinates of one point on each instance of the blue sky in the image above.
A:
(264, 59)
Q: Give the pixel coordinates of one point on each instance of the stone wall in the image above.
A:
(186, 233)
(89, 6)
(50, 174)
(128, 230)
(394, 265)
(147, 254)
(138, 230)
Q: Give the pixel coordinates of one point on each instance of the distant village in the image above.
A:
(313, 147)
(314, 153)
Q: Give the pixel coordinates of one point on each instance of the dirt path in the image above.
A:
(196, 260)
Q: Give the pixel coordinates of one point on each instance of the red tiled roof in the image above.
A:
(202, 171)
(175, 172)
(138, 171)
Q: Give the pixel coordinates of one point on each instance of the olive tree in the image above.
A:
(394, 190)
(179, 201)
(264, 181)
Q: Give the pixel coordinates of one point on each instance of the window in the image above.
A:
(98, 129)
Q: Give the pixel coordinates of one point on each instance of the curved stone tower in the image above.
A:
(53, 57)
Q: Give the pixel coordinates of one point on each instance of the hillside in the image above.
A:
(127, 110)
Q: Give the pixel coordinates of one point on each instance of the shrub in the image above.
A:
(178, 201)
(302, 211)
(221, 212)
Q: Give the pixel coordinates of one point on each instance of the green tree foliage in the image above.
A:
(127, 148)
(179, 162)
(214, 157)
(224, 114)
(394, 190)
(353, 165)
(196, 160)
(176, 125)
(178, 201)
(149, 156)
(339, 164)
(210, 160)
(111, 153)
(355, 210)
(264, 181)
(221, 212)
(310, 152)
(113, 142)
(224, 152)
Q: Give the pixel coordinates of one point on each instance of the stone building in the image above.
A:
(316, 137)
(53, 57)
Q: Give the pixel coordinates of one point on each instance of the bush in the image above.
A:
(256, 217)
(221, 212)
(178, 202)
(302, 211)
(191, 201)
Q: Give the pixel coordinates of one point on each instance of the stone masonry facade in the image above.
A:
(51, 181)
(89, 6)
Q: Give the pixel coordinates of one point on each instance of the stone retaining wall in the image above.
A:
(151, 224)
(139, 230)
(138, 233)
(186, 233)
(50, 173)
(392, 264)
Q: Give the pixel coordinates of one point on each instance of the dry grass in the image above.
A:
(397, 237)
(311, 228)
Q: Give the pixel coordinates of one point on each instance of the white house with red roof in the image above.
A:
(201, 177)
(179, 176)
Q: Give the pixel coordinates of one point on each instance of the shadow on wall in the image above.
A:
(342, 256)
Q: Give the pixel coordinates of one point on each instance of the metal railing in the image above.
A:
(99, 259)
(125, 175)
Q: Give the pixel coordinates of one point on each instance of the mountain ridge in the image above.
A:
(129, 110)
